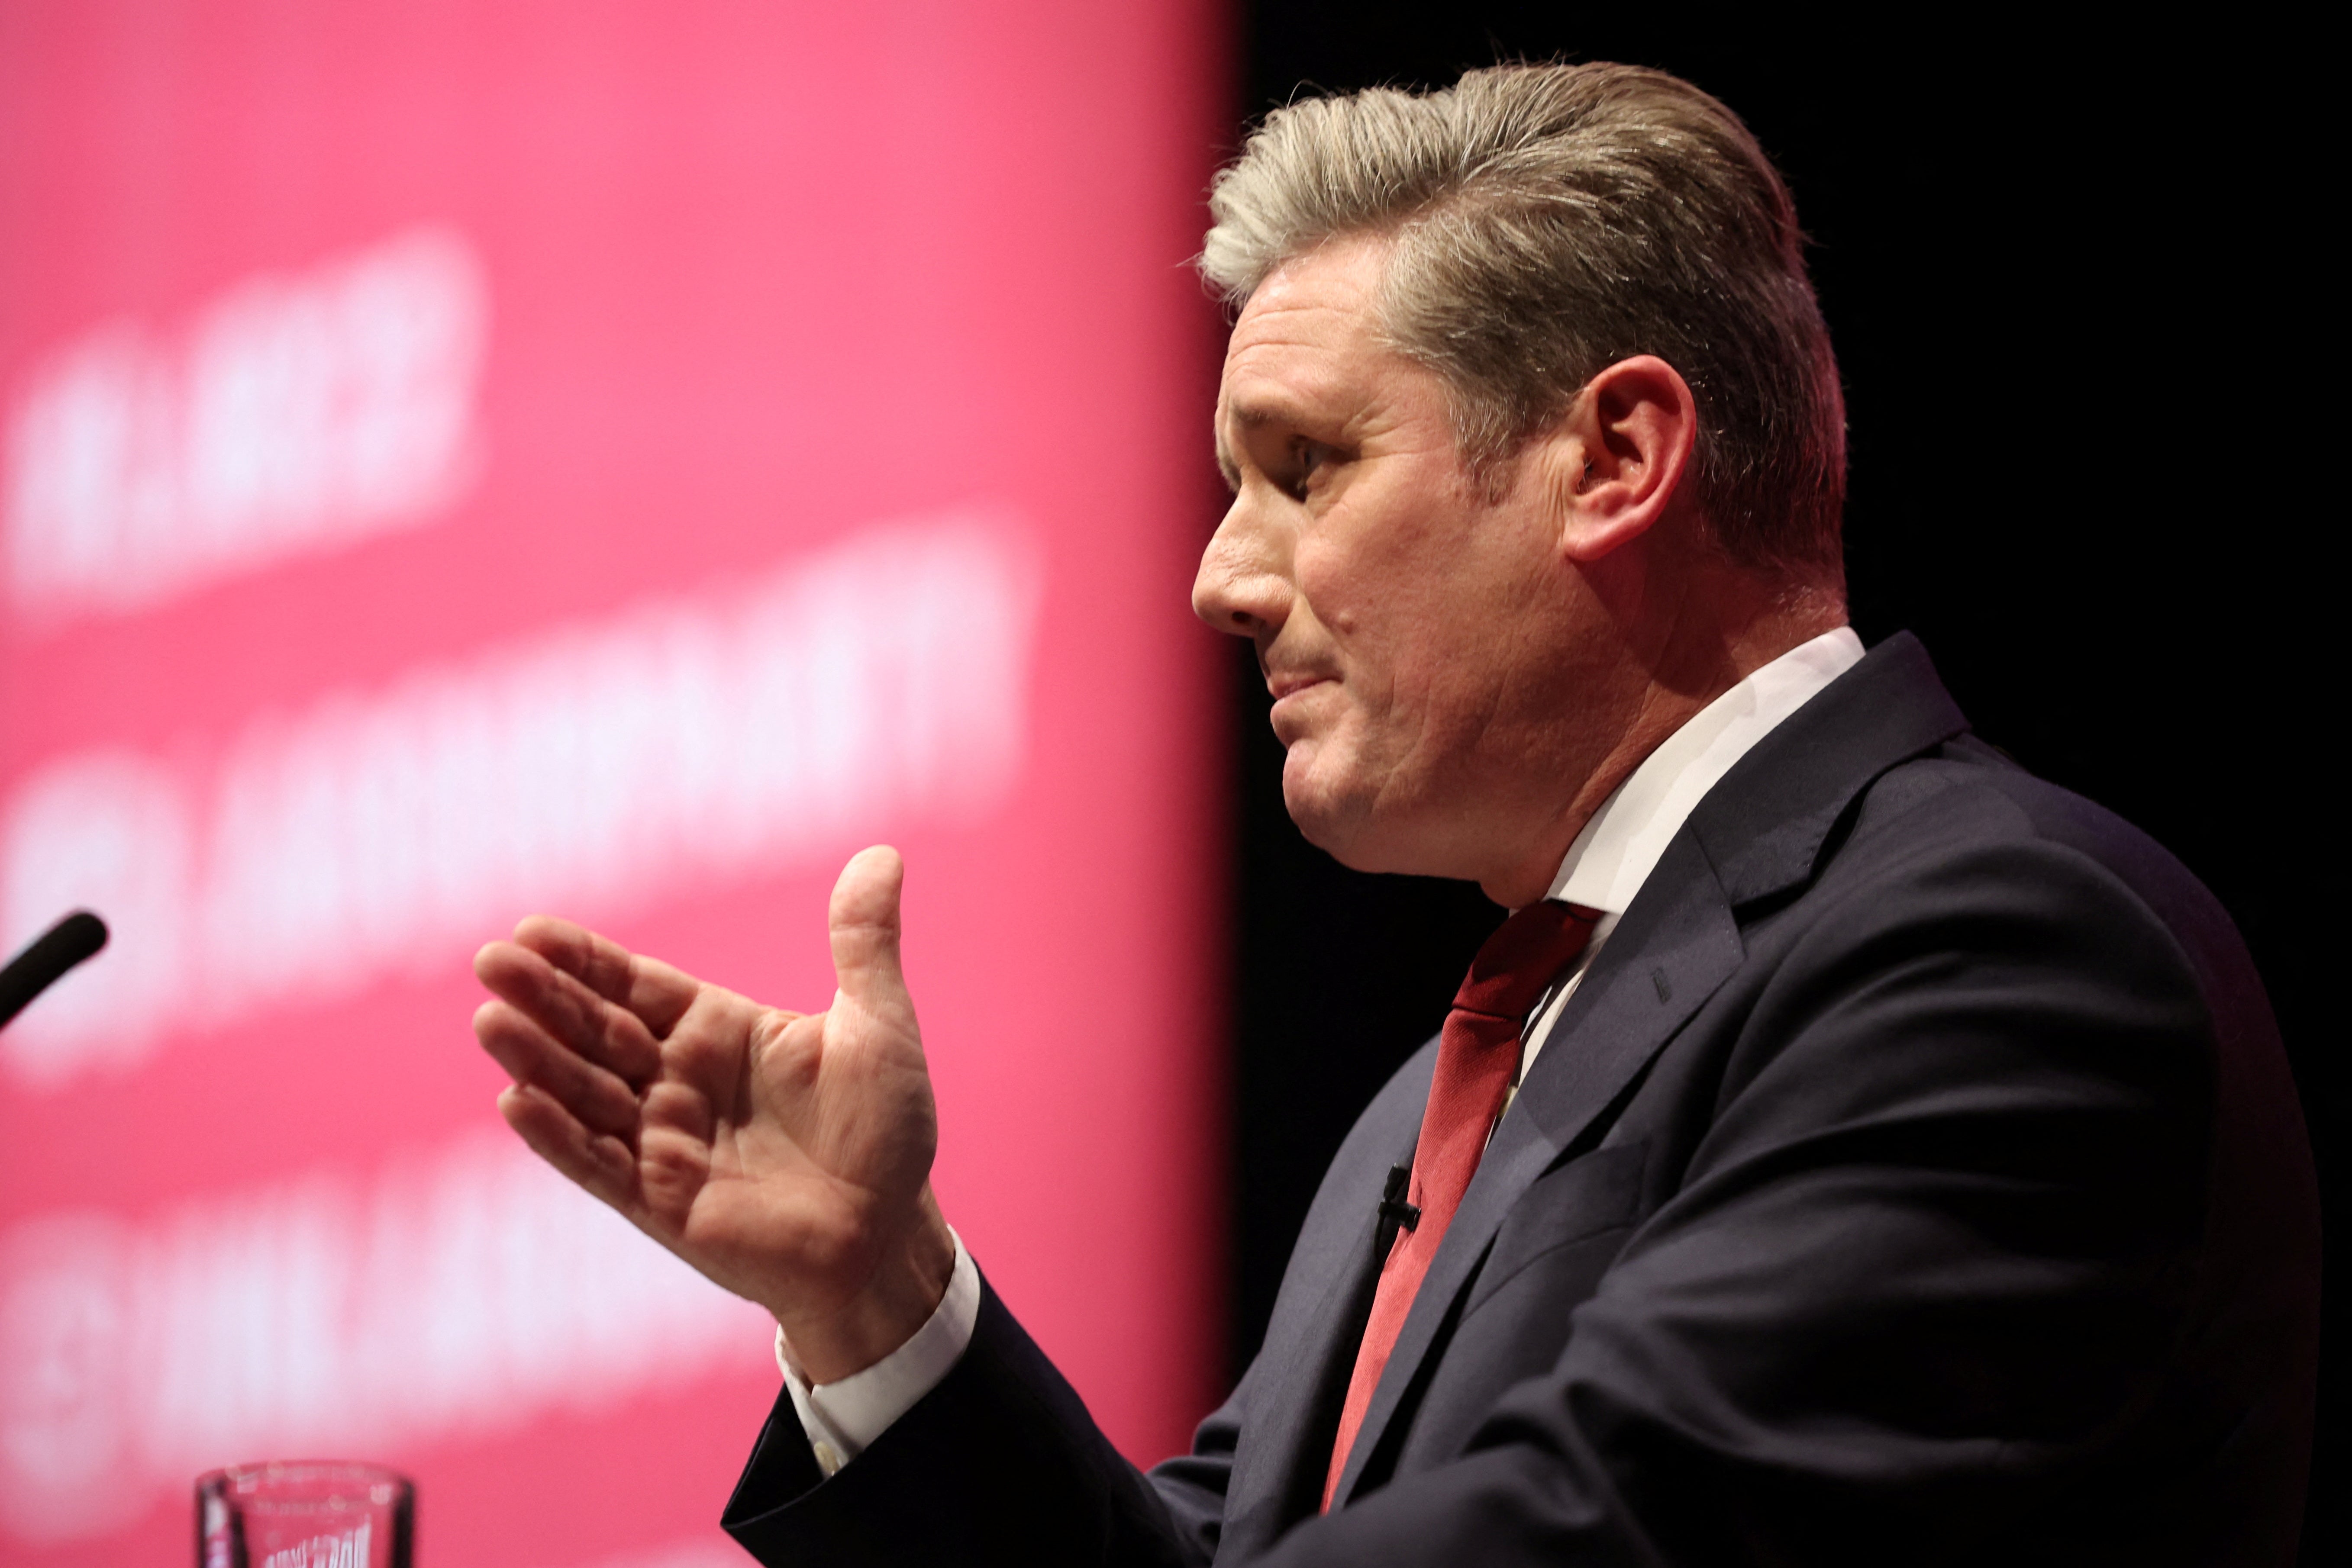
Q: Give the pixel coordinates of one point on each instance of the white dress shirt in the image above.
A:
(842, 1419)
(1604, 868)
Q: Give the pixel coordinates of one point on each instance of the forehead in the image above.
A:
(1319, 303)
(1306, 345)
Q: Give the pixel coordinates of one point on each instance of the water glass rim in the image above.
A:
(381, 1483)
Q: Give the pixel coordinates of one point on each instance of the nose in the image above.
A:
(1244, 585)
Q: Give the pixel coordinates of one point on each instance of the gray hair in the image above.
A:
(1549, 221)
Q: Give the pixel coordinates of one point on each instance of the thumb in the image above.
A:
(864, 916)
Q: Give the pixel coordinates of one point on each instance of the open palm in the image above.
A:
(786, 1155)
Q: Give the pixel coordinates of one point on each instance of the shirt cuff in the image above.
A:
(843, 1419)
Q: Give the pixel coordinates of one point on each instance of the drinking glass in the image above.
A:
(305, 1513)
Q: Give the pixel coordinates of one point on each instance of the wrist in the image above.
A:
(906, 1287)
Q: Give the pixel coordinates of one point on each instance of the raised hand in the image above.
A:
(786, 1155)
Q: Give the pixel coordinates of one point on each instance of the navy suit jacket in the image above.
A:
(1913, 1177)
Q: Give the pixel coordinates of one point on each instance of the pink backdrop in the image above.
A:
(472, 455)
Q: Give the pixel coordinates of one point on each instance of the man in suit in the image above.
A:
(1851, 1148)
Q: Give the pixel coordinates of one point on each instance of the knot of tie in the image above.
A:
(1522, 957)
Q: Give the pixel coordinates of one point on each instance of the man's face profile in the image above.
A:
(1417, 636)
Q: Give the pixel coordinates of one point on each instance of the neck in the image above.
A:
(1679, 661)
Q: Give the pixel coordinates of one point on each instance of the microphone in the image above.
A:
(51, 955)
(1395, 1214)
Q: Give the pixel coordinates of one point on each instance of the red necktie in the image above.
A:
(1477, 1052)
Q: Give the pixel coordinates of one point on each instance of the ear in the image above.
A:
(1618, 456)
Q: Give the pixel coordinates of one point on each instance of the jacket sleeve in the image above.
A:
(1000, 1464)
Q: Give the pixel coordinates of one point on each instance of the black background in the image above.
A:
(2073, 283)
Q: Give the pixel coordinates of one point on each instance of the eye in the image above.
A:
(1308, 459)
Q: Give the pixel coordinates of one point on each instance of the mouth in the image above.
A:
(1289, 683)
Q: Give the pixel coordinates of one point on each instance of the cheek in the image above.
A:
(1391, 554)
(1391, 673)
(1324, 586)
(1360, 600)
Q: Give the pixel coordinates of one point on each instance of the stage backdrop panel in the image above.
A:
(464, 457)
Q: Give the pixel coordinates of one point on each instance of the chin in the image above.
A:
(1338, 817)
(1326, 815)
(1339, 821)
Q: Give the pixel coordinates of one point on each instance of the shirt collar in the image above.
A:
(1614, 855)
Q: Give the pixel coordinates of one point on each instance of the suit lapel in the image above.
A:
(1668, 955)
(1278, 1474)
(1286, 1451)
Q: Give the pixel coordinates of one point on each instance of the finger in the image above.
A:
(597, 1161)
(646, 987)
(611, 1036)
(864, 916)
(532, 1056)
